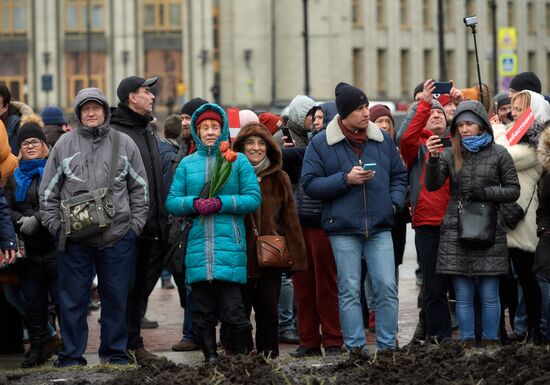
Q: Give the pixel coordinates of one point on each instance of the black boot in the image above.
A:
(209, 347)
(37, 316)
(240, 341)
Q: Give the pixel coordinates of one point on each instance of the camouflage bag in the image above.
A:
(91, 212)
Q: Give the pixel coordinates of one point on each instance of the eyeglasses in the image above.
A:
(31, 143)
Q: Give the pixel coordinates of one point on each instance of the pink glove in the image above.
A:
(207, 206)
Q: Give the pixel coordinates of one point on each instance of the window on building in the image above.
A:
(448, 12)
(167, 65)
(531, 18)
(381, 65)
(428, 64)
(532, 61)
(13, 73)
(510, 13)
(405, 71)
(427, 17)
(381, 13)
(163, 15)
(547, 18)
(358, 66)
(548, 70)
(404, 13)
(472, 69)
(356, 14)
(470, 8)
(76, 15)
(13, 17)
(450, 63)
(76, 70)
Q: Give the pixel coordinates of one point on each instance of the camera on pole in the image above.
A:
(471, 22)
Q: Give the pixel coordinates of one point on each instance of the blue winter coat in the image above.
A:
(8, 240)
(216, 245)
(354, 209)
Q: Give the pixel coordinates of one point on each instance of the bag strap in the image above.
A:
(531, 200)
(254, 227)
(114, 155)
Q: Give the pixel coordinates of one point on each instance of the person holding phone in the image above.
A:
(359, 208)
(428, 209)
(478, 170)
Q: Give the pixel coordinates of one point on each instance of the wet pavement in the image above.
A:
(164, 308)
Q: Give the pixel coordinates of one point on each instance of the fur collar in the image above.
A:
(335, 134)
(543, 151)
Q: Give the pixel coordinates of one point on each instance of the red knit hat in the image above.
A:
(209, 114)
(379, 110)
(271, 121)
(444, 99)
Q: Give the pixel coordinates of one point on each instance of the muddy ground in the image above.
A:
(413, 364)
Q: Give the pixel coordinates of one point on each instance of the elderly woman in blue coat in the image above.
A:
(216, 245)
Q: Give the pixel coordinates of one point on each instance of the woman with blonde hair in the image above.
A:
(522, 238)
(37, 273)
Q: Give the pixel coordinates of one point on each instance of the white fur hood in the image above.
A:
(335, 134)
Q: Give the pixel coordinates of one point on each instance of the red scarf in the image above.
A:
(357, 139)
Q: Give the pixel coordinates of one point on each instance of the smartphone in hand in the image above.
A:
(369, 166)
(442, 88)
(446, 142)
(286, 132)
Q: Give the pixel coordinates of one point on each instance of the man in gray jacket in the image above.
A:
(80, 162)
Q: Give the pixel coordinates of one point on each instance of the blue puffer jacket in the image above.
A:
(8, 240)
(216, 244)
(349, 209)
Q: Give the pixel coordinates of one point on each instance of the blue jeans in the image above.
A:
(377, 250)
(114, 265)
(287, 317)
(544, 285)
(520, 320)
(490, 306)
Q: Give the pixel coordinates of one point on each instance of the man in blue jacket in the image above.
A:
(359, 204)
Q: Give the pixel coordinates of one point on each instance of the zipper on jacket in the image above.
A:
(208, 223)
(364, 201)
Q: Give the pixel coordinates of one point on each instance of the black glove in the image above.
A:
(478, 195)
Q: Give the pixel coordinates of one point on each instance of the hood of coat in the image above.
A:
(540, 107)
(201, 147)
(298, 109)
(543, 150)
(20, 108)
(273, 152)
(478, 109)
(97, 95)
(330, 111)
(335, 134)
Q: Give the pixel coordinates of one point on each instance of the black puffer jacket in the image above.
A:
(137, 126)
(41, 259)
(493, 170)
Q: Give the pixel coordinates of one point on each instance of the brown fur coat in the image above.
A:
(277, 215)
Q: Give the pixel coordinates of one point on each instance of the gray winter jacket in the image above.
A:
(80, 161)
(491, 169)
(297, 112)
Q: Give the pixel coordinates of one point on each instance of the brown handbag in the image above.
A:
(271, 250)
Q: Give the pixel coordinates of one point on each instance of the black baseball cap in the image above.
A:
(132, 84)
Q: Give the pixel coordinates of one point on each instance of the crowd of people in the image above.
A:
(300, 218)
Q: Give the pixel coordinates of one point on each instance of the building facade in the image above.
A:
(252, 52)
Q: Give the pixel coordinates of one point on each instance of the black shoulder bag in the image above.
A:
(90, 213)
(477, 222)
(174, 260)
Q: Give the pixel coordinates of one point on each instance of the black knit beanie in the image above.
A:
(191, 106)
(526, 81)
(30, 130)
(417, 89)
(348, 98)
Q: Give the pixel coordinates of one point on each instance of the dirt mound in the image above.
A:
(448, 363)
(413, 364)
